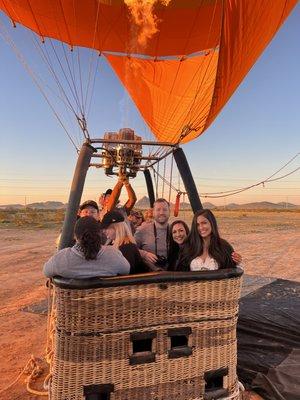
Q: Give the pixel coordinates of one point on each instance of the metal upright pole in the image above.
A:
(81, 169)
(150, 188)
(187, 178)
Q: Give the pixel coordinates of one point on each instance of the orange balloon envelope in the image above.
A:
(183, 74)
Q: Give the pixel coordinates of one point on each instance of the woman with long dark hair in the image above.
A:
(87, 258)
(178, 233)
(204, 249)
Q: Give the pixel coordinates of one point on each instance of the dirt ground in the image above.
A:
(268, 241)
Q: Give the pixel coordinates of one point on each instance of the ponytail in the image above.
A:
(88, 236)
(90, 244)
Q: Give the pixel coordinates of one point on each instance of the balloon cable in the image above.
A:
(12, 44)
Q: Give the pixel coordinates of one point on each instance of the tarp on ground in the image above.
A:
(269, 340)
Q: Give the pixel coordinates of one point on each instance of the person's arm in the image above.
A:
(233, 258)
(122, 265)
(49, 267)
(131, 197)
(138, 235)
(140, 266)
(114, 197)
(147, 256)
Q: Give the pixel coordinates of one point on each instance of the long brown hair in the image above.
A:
(173, 248)
(218, 248)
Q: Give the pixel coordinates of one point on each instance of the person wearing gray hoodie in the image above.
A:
(87, 258)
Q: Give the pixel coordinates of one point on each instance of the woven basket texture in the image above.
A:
(94, 327)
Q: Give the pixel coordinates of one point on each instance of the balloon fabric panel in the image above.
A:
(107, 25)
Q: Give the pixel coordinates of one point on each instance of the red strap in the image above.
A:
(177, 205)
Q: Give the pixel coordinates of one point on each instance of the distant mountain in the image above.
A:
(208, 205)
(46, 205)
(12, 207)
(262, 205)
(287, 205)
(143, 204)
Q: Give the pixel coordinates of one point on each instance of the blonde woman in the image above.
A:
(119, 235)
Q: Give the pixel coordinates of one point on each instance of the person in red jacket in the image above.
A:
(109, 200)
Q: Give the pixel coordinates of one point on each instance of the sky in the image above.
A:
(256, 133)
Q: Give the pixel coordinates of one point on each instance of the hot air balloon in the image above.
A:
(180, 61)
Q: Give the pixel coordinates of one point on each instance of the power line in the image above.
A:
(263, 182)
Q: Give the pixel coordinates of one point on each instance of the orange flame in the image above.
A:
(144, 18)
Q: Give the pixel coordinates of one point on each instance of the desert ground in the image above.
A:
(268, 240)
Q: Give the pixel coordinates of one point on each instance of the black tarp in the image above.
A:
(269, 340)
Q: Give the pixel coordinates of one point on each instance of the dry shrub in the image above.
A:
(32, 218)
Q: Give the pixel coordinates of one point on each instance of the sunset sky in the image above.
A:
(256, 133)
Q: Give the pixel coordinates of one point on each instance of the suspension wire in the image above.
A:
(150, 164)
(167, 182)
(171, 176)
(47, 60)
(82, 123)
(80, 114)
(78, 63)
(93, 86)
(156, 153)
(81, 120)
(80, 81)
(154, 178)
(90, 73)
(157, 175)
(73, 91)
(34, 77)
(63, 47)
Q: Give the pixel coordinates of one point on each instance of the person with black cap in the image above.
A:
(110, 199)
(119, 235)
(87, 258)
(88, 208)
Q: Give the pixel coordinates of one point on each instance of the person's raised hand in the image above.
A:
(123, 179)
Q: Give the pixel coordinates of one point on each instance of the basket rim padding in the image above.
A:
(147, 278)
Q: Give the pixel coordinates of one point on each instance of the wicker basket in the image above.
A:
(154, 336)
